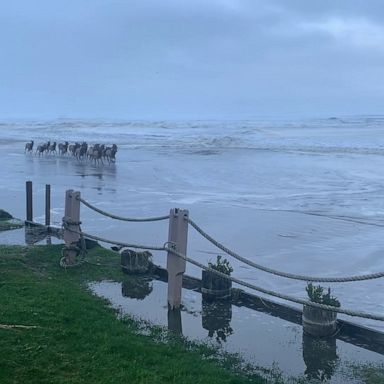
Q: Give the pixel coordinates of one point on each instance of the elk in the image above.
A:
(81, 151)
(28, 147)
(110, 153)
(63, 148)
(41, 148)
(52, 148)
(97, 153)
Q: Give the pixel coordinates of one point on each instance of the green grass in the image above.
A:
(368, 373)
(78, 338)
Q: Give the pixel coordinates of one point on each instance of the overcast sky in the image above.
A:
(190, 59)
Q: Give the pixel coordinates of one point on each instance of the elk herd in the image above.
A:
(97, 153)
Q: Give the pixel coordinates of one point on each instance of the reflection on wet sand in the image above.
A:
(99, 171)
(262, 339)
(174, 321)
(103, 176)
(320, 357)
(34, 235)
(216, 319)
(52, 165)
(137, 287)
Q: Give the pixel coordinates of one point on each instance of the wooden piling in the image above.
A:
(71, 221)
(47, 205)
(319, 322)
(174, 321)
(29, 213)
(177, 237)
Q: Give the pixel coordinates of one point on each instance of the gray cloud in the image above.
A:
(192, 59)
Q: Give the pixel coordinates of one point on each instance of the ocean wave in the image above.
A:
(358, 136)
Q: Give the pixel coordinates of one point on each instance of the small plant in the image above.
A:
(316, 295)
(221, 265)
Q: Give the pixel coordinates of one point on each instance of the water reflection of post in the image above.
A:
(320, 357)
(137, 287)
(174, 321)
(216, 319)
(34, 234)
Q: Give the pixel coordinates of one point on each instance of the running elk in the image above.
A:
(28, 147)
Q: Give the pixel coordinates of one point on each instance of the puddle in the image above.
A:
(259, 338)
(27, 236)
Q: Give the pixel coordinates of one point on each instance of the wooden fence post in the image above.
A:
(177, 235)
(47, 205)
(28, 187)
(174, 321)
(71, 221)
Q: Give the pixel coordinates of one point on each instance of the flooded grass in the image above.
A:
(77, 337)
(258, 338)
(368, 373)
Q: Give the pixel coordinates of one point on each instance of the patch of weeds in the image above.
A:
(221, 265)
(369, 373)
(317, 295)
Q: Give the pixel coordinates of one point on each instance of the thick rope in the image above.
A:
(288, 275)
(343, 279)
(128, 245)
(157, 218)
(276, 294)
(170, 248)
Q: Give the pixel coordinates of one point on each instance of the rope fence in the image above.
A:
(69, 225)
(279, 295)
(342, 279)
(169, 248)
(122, 244)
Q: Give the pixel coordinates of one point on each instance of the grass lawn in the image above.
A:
(75, 337)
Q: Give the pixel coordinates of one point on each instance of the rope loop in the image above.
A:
(72, 222)
(67, 221)
(169, 244)
(80, 253)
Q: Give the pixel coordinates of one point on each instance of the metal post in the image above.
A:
(28, 187)
(177, 236)
(71, 221)
(47, 205)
